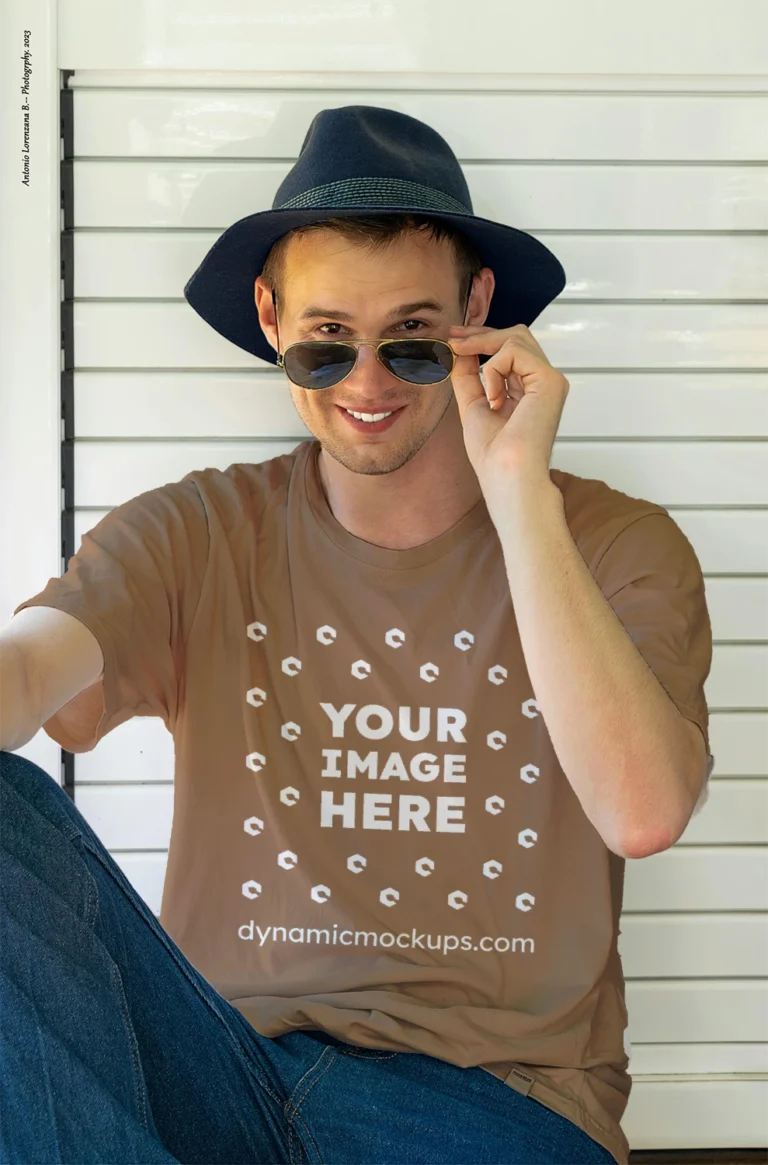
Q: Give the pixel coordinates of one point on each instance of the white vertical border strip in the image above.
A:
(30, 315)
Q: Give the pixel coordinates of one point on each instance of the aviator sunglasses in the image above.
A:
(325, 363)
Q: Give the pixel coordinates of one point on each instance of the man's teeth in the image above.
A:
(369, 416)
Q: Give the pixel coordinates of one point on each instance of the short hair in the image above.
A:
(377, 232)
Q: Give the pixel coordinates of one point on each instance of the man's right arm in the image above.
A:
(47, 657)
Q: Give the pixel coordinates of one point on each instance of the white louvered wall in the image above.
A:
(654, 198)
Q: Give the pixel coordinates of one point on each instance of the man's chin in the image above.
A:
(368, 459)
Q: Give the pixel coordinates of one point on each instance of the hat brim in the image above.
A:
(528, 276)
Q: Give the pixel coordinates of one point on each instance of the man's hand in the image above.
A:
(511, 431)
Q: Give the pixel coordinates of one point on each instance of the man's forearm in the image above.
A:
(616, 733)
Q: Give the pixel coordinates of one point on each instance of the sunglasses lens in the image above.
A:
(418, 361)
(319, 365)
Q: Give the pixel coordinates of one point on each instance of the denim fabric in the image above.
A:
(115, 1049)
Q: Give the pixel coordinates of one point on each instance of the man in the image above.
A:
(427, 695)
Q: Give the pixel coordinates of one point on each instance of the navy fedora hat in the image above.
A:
(360, 160)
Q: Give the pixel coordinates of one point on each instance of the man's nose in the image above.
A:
(368, 363)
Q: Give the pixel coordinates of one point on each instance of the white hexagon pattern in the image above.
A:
(463, 640)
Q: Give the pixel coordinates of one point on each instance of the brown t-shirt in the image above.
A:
(372, 834)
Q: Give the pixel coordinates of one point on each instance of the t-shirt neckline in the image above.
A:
(475, 519)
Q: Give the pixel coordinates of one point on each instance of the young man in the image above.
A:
(427, 695)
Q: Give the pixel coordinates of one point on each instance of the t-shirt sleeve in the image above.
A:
(135, 583)
(652, 578)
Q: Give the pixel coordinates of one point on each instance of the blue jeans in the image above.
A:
(115, 1049)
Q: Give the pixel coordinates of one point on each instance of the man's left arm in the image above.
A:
(636, 765)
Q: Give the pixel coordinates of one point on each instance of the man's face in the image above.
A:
(324, 270)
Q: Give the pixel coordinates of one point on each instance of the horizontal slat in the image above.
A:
(109, 473)
(236, 405)
(685, 1011)
(478, 126)
(142, 750)
(699, 1058)
(689, 945)
(739, 677)
(680, 879)
(438, 38)
(531, 196)
(725, 541)
(139, 750)
(666, 473)
(138, 816)
(699, 878)
(740, 743)
(141, 334)
(738, 608)
(143, 265)
(694, 1113)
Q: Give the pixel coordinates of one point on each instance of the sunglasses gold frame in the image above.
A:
(377, 344)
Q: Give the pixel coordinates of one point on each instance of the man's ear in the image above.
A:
(262, 295)
(485, 282)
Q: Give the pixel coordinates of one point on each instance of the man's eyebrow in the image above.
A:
(314, 311)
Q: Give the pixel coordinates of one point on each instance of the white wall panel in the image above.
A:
(530, 195)
(653, 191)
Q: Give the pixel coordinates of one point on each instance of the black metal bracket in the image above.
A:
(67, 252)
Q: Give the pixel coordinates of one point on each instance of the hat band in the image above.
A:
(376, 192)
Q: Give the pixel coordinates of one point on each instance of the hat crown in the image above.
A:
(364, 155)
